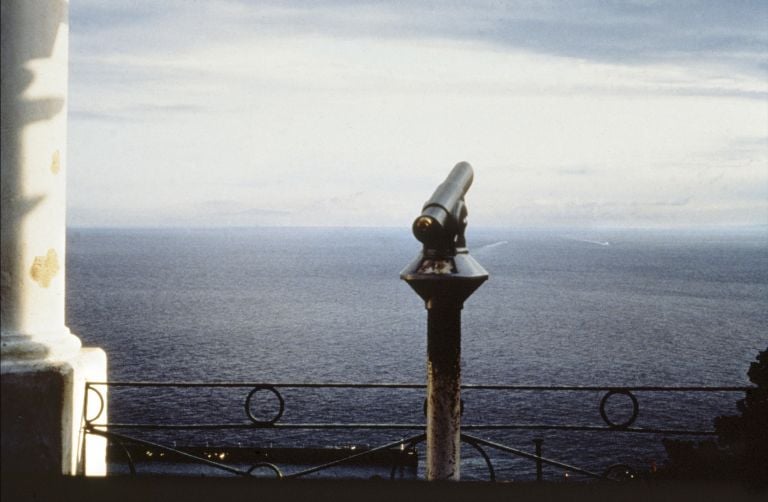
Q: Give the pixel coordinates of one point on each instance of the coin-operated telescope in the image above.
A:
(442, 222)
(444, 275)
(444, 265)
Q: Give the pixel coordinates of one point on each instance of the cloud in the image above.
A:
(576, 171)
(612, 32)
(346, 113)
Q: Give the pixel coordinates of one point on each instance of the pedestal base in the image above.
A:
(42, 415)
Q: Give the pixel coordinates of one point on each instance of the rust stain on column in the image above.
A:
(44, 268)
(56, 162)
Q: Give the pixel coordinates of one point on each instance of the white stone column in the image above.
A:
(43, 365)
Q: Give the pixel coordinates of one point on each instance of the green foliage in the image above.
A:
(741, 450)
(746, 435)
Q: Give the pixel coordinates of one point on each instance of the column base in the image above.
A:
(42, 415)
(21, 347)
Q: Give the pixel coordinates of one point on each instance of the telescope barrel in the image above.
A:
(438, 217)
(453, 189)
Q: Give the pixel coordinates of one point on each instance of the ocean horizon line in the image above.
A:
(512, 228)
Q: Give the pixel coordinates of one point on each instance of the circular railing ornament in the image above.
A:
(620, 472)
(266, 465)
(90, 390)
(280, 410)
(491, 471)
(628, 422)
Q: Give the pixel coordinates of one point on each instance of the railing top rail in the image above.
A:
(113, 430)
(388, 385)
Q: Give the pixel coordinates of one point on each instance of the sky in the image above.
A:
(342, 113)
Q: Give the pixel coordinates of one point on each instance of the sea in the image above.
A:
(575, 307)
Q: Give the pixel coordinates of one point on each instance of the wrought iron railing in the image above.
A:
(150, 433)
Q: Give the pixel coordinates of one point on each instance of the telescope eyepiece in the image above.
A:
(422, 225)
(430, 228)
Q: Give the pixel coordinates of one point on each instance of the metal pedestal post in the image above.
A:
(444, 275)
(444, 296)
(443, 389)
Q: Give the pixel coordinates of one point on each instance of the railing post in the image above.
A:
(444, 275)
(538, 442)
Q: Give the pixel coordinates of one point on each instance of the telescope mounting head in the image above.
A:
(441, 225)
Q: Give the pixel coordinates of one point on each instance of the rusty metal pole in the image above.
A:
(444, 275)
(443, 388)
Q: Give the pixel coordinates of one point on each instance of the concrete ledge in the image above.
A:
(191, 489)
(42, 415)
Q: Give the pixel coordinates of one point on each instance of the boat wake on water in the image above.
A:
(589, 241)
(490, 246)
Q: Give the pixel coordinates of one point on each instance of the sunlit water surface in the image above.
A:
(327, 305)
